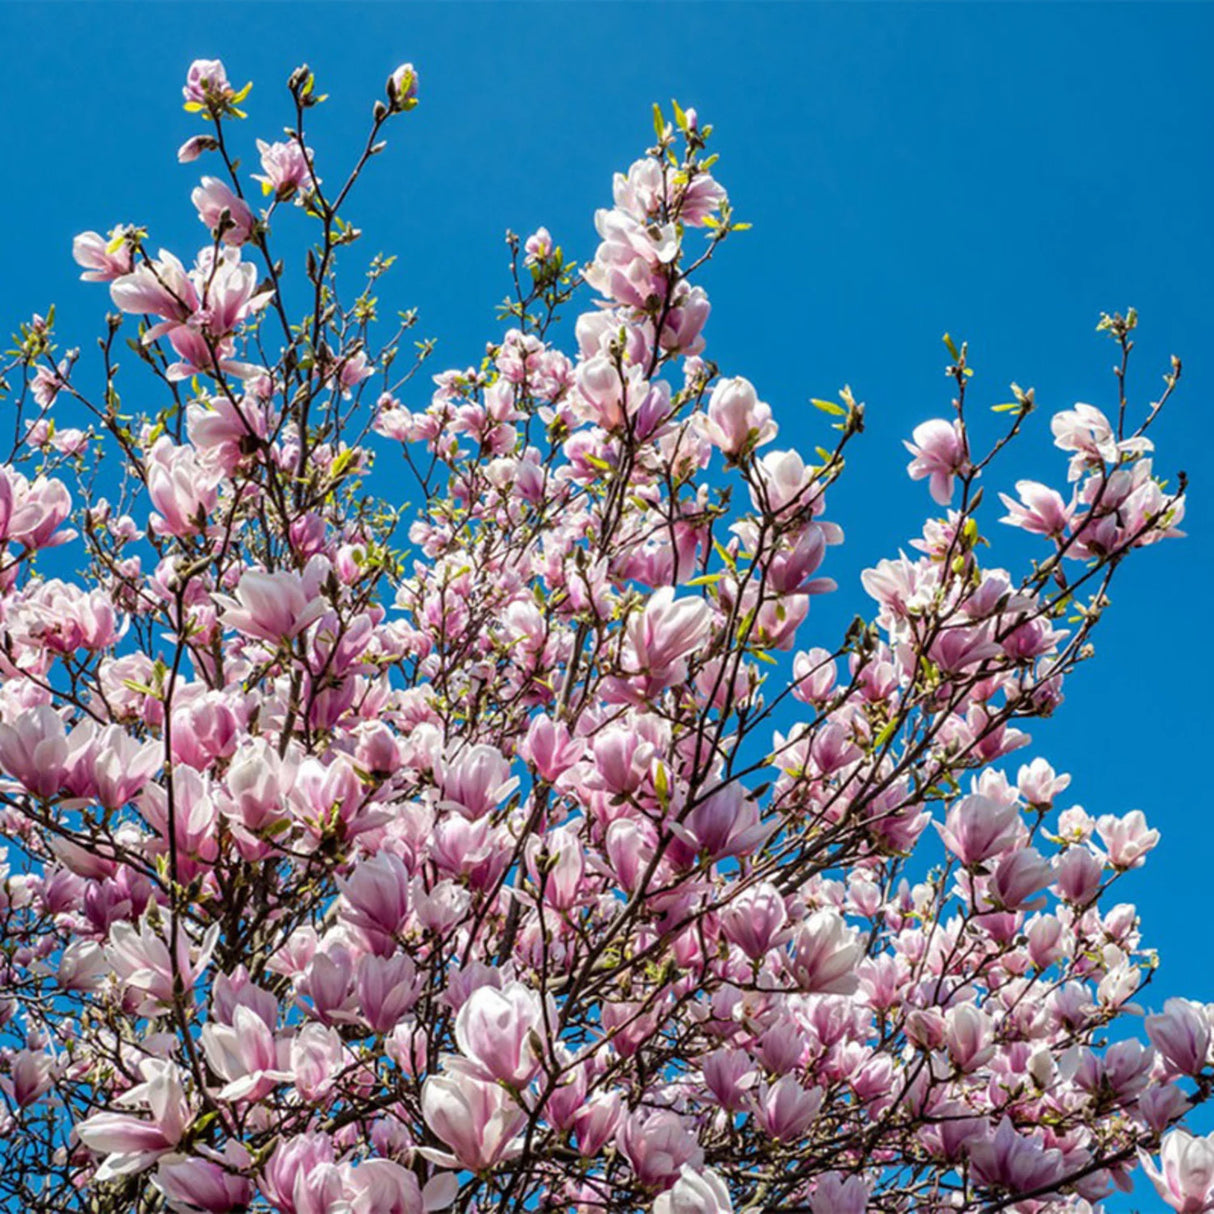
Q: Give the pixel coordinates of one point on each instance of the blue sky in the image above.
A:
(1003, 172)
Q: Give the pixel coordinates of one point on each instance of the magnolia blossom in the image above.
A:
(222, 211)
(276, 606)
(695, 1193)
(1184, 1178)
(288, 169)
(737, 418)
(206, 80)
(476, 1119)
(103, 258)
(940, 454)
(132, 1142)
(498, 1029)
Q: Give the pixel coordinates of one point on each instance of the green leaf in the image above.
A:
(659, 123)
(884, 736)
(951, 346)
(828, 406)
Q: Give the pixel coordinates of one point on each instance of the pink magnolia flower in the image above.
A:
(755, 919)
(225, 431)
(103, 259)
(302, 1177)
(666, 631)
(388, 987)
(191, 1183)
(110, 764)
(968, 1036)
(48, 382)
(556, 864)
(212, 199)
(498, 1031)
(375, 896)
(596, 1122)
(131, 1143)
(31, 1073)
(199, 309)
(194, 147)
(1185, 1177)
(383, 1186)
(246, 1054)
(1181, 1034)
(657, 1145)
(35, 510)
(723, 822)
(685, 321)
(1078, 875)
(141, 959)
(835, 1193)
(257, 779)
(786, 1110)
(729, 1076)
(1014, 1161)
(288, 169)
(1086, 432)
(475, 780)
(277, 606)
(158, 288)
(1040, 511)
(207, 80)
(782, 483)
(940, 453)
(180, 488)
(825, 953)
(549, 747)
(1018, 877)
(695, 1192)
(737, 419)
(1039, 784)
(477, 1120)
(1128, 840)
(317, 1056)
(977, 828)
(34, 750)
(538, 247)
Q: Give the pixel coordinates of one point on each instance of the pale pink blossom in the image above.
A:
(695, 1192)
(498, 1031)
(103, 258)
(1184, 1178)
(476, 1119)
(275, 607)
(224, 213)
(205, 81)
(288, 169)
(131, 1142)
(1181, 1034)
(940, 453)
(737, 419)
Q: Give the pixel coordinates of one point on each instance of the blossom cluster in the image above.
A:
(521, 851)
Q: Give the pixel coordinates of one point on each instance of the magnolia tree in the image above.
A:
(516, 850)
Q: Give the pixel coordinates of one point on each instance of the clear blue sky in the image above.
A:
(1003, 172)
